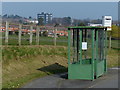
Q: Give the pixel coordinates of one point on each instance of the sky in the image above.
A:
(77, 10)
(59, 0)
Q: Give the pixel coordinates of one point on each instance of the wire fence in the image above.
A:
(115, 44)
(14, 34)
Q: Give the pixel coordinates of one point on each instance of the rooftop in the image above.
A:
(87, 27)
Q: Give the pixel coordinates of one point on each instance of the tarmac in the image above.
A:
(109, 80)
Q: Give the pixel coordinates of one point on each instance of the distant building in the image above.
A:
(33, 21)
(91, 24)
(107, 22)
(44, 18)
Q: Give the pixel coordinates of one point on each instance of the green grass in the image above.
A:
(112, 57)
(21, 64)
(13, 40)
(114, 43)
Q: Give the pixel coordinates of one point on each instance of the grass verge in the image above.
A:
(22, 64)
(25, 63)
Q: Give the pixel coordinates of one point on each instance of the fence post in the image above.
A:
(19, 37)
(31, 34)
(55, 36)
(37, 35)
(109, 36)
(110, 42)
(6, 33)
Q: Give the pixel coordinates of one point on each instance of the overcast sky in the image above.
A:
(79, 10)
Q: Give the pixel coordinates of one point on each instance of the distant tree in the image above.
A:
(86, 21)
(40, 21)
(97, 21)
(115, 31)
(81, 24)
(45, 33)
(67, 20)
(25, 23)
(5, 16)
(56, 25)
(76, 22)
(20, 21)
(11, 16)
(17, 16)
(57, 20)
(30, 17)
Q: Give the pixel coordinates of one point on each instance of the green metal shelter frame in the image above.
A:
(86, 52)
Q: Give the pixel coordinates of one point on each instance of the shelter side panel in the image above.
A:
(77, 71)
(100, 68)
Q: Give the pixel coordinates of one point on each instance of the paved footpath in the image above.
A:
(110, 80)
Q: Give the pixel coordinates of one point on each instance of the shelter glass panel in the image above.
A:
(87, 52)
(101, 44)
(75, 45)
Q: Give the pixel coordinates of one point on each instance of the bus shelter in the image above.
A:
(86, 52)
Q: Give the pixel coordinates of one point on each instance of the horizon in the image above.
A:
(87, 10)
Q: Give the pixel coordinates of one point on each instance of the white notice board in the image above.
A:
(84, 45)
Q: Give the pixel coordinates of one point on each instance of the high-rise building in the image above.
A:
(44, 18)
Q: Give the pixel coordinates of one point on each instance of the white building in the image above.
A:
(107, 22)
(33, 21)
(91, 24)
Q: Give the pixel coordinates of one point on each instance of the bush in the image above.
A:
(45, 33)
(115, 32)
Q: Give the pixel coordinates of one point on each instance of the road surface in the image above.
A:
(109, 80)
